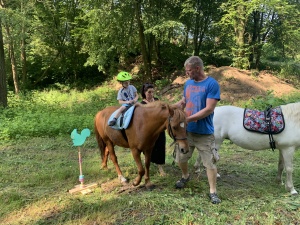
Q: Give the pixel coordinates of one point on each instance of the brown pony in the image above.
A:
(147, 123)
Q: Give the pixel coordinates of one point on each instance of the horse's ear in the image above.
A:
(171, 110)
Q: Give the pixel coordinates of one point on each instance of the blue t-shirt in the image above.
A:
(195, 94)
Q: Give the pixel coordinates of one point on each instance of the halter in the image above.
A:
(172, 134)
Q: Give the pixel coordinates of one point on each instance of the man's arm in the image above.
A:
(210, 107)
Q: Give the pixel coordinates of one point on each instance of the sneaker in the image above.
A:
(112, 122)
(182, 182)
(214, 198)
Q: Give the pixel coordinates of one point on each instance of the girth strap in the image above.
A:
(269, 124)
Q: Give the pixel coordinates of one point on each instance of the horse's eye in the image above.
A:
(182, 124)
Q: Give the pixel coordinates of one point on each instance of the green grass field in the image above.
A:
(36, 175)
(39, 165)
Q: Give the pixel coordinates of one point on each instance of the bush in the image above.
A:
(52, 112)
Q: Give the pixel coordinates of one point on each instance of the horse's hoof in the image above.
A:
(198, 170)
(136, 183)
(122, 179)
(150, 187)
(196, 165)
(124, 182)
(294, 192)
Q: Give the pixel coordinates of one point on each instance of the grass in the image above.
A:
(36, 175)
(38, 165)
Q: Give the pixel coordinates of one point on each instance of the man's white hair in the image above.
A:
(194, 61)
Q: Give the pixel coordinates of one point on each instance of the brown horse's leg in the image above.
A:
(148, 184)
(141, 171)
(104, 159)
(114, 159)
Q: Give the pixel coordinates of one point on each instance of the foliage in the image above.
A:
(291, 70)
(72, 42)
(52, 112)
(263, 102)
(159, 84)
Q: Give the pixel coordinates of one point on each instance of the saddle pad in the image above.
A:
(123, 120)
(255, 120)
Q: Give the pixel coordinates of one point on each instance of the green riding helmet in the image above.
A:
(124, 76)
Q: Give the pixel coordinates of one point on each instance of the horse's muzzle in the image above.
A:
(184, 151)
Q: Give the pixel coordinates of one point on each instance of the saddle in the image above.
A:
(269, 121)
(124, 119)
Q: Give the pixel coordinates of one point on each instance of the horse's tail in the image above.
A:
(101, 143)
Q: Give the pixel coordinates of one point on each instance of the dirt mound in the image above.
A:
(243, 84)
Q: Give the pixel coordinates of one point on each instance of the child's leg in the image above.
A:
(120, 110)
(118, 113)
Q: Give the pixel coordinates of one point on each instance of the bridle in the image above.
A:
(170, 131)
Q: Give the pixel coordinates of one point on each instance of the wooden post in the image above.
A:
(84, 189)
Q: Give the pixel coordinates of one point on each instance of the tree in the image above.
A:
(255, 23)
(10, 23)
(3, 88)
(145, 51)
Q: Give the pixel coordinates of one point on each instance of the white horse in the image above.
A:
(228, 123)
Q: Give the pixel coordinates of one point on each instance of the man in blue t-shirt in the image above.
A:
(200, 97)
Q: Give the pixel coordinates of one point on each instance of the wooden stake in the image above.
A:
(84, 189)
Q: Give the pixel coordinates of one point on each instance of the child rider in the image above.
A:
(127, 95)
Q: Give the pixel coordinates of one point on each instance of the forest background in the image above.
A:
(46, 43)
(58, 62)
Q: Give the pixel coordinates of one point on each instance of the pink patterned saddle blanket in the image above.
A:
(255, 120)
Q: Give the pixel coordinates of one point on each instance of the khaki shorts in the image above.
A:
(204, 143)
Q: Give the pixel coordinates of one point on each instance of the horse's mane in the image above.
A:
(156, 104)
(292, 111)
(163, 105)
(180, 112)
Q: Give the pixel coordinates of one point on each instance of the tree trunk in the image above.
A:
(145, 54)
(240, 54)
(3, 88)
(13, 61)
(23, 60)
(197, 30)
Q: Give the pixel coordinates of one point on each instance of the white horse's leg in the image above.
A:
(197, 163)
(197, 166)
(288, 155)
(280, 168)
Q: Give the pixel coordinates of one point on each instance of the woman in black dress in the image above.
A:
(159, 151)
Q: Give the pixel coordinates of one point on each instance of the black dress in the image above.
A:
(159, 151)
